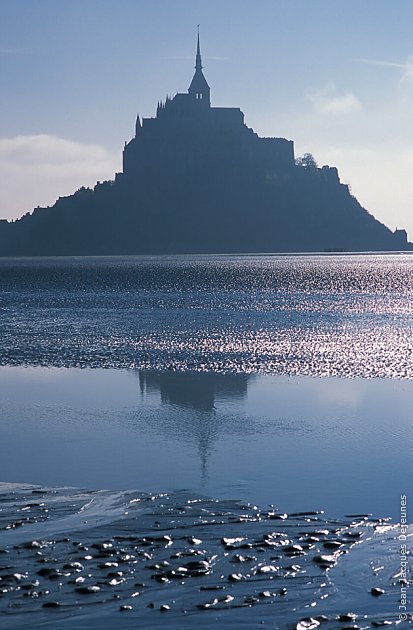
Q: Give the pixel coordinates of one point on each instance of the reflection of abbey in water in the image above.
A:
(187, 128)
(196, 391)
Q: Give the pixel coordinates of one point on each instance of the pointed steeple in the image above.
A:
(199, 89)
(198, 62)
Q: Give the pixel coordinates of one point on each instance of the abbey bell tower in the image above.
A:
(199, 89)
(187, 132)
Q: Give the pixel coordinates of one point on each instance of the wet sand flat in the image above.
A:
(84, 559)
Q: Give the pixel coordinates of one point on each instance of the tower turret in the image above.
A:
(199, 89)
(138, 125)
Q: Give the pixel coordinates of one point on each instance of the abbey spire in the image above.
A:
(198, 62)
(199, 89)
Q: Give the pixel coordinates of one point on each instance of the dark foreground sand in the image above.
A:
(80, 559)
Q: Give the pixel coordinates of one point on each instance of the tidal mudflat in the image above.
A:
(82, 559)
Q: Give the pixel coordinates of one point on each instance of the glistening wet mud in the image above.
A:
(82, 559)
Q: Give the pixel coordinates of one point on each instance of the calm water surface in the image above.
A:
(231, 376)
(301, 443)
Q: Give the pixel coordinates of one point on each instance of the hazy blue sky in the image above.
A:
(335, 76)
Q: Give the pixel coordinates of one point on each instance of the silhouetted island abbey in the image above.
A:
(196, 179)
